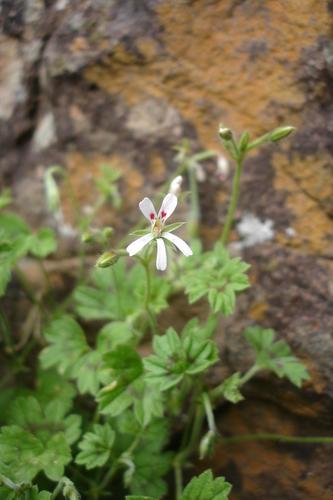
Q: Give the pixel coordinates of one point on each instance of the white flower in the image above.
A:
(176, 184)
(158, 231)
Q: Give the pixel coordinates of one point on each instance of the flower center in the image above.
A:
(157, 227)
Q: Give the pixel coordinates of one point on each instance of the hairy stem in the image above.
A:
(151, 317)
(184, 454)
(195, 207)
(233, 202)
(277, 437)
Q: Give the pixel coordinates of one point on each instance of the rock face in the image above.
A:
(120, 82)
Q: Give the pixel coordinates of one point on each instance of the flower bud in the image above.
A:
(52, 193)
(225, 133)
(107, 232)
(281, 133)
(87, 237)
(176, 184)
(206, 444)
(244, 140)
(107, 259)
(69, 491)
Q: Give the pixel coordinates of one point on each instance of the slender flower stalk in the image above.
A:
(158, 231)
(233, 202)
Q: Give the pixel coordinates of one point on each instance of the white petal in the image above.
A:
(147, 208)
(138, 244)
(179, 243)
(161, 257)
(176, 185)
(168, 206)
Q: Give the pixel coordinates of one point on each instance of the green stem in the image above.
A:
(249, 374)
(151, 317)
(277, 437)
(5, 332)
(178, 479)
(218, 391)
(195, 207)
(233, 202)
(116, 285)
(124, 456)
(183, 455)
(258, 142)
(57, 490)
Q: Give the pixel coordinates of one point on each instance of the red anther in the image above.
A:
(163, 214)
(152, 216)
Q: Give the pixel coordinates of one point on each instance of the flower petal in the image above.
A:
(161, 256)
(168, 206)
(147, 208)
(138, 244)
(179, 243)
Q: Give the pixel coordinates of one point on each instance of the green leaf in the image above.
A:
(114, 334)
(230, 388)
(50, 385)
(275, 355)
(56, 456)
(13, 225)
(67, 345)
(177, 356)
(150, 453)
(87, 372)
(125, 366)
(92, 303)
(43, 421)
(38, 438)
(143, 480)
(205, 487)
(43, 243)
(148, 405)
(21, 452)
(27, 492)
(5, 274)
(5, 198)
(96, 446)
(216, 275)
(26, 455)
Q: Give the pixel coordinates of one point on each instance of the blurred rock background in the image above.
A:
(120, 82)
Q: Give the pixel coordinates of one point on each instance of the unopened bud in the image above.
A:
(87, 237)
(52, 193)
(225, 133)
(281, 133)
(176, 184)
(69, 491)
(206, 444)
(107, 232)
(107, 259)
(244, 140)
